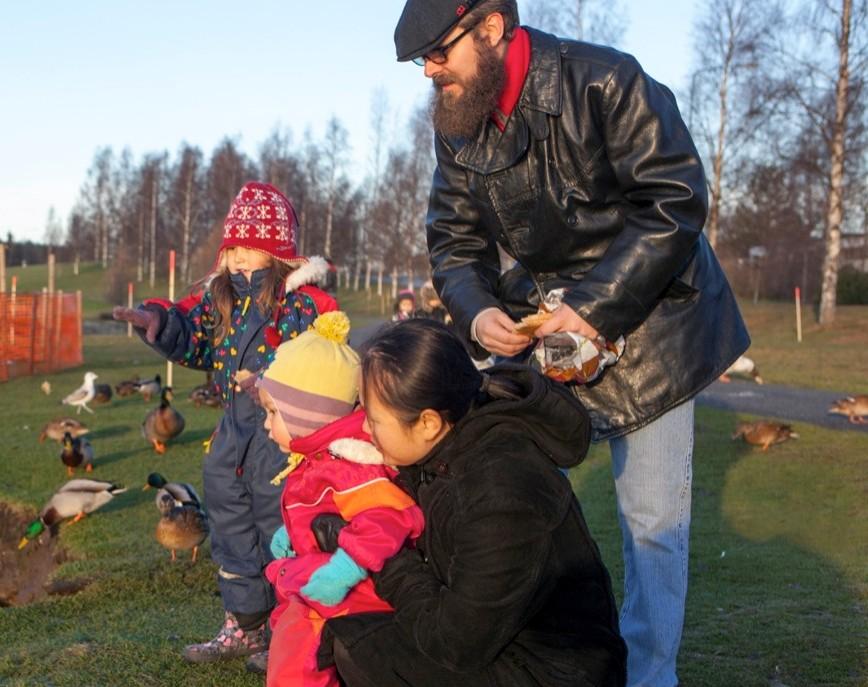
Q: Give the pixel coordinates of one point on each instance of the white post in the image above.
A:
(798, 293)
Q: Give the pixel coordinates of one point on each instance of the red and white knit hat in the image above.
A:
(261, 218)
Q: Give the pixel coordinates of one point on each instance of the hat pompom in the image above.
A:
(334, 326)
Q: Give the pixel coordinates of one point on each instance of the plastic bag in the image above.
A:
(571, 357)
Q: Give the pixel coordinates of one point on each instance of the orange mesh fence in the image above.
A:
(39, 333)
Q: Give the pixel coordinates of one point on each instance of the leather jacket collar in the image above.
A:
(492, 150)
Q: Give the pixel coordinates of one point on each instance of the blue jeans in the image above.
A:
(653, 470)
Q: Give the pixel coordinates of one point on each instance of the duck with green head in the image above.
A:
(181, 493)
(74, 499)
(163, 423)
(76, 452)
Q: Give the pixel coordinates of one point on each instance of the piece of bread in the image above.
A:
(529, 324)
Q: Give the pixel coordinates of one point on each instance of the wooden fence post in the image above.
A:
(130, 306)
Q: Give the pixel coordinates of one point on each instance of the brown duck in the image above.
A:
(163, 423)
(854, 407)
(182, 525)
(55, 429)
(128, 387)
(102, 393)
(764, 433)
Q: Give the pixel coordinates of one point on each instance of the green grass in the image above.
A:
(777, 588)
(833, 357)
(778, 579)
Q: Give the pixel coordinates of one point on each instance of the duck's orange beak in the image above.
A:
(23, 543)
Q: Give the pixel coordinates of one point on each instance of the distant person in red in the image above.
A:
(259, 295)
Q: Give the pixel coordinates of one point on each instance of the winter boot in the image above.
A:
(231, 641)
(257, 663)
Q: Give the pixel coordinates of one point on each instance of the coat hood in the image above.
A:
(547, 413)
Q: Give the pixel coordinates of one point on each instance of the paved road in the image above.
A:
(780, 402)
(767, 400)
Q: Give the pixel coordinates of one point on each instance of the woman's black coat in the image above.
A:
(507, 581)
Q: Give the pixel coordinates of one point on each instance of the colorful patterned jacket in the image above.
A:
(185, 337)
(253, 337)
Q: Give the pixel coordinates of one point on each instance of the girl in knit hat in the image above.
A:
(334, 475)
(259, 295)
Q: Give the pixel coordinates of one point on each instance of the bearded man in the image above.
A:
(562, 164)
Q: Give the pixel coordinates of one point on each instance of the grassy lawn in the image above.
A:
(778, 576)
(833, 358)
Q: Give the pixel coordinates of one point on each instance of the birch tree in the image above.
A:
(728, 93)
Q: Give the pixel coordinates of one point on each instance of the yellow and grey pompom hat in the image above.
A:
(314, 377)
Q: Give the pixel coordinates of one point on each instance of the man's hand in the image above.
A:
(565, 319)
(140, 319)
(495, 333)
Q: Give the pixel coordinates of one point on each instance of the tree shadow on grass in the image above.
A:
(774, 589)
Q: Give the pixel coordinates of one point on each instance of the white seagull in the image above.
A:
(83, 395)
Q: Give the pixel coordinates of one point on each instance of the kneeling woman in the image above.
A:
(506, 586)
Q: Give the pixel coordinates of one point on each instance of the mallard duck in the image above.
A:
(74, 499)
(102, 393)
(764, 433)
(205, 396)
(163, 423)
(57, 428)
(83, 394)
(743, 367)
(854, 407)
(77, 452)
(128, 387)
(182, 526)
(181, 493)
(150, 387)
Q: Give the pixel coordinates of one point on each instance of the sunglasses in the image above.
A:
(439, 55)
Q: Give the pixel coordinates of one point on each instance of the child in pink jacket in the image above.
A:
(333, 468)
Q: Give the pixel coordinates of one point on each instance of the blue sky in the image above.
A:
(75, 76)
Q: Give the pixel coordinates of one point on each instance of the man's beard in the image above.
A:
(462, 116)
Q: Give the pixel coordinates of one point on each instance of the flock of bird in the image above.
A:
(183, 523)
(765, 433)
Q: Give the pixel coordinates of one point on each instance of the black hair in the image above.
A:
(420, 364)
(508, 9)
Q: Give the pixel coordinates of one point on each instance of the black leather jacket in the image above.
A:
(595, 185)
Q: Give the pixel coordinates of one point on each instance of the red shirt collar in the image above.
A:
(516, 65)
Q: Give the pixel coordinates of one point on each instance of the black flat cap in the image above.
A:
(424, 23)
